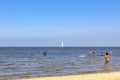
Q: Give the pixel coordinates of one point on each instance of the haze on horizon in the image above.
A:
(49, 22)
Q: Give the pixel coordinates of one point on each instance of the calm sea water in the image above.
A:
(23, 62)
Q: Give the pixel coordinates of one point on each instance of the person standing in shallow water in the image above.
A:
(102, 54)
(90, 52)
(110, 52)
(107, 59)
(45, 53)
(93, 52)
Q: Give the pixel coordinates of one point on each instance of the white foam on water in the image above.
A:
(82, 56)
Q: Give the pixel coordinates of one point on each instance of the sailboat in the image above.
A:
(62, 45)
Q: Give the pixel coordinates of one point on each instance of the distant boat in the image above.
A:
(62, 45)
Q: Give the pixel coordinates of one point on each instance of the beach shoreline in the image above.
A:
(91, 76)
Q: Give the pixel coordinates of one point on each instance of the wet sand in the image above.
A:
(93, 76)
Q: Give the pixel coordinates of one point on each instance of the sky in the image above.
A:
(49, 22)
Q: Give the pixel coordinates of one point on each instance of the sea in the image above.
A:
(25, 62)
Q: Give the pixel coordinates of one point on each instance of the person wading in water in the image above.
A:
(107, 59)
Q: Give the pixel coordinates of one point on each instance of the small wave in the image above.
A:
(82, 56)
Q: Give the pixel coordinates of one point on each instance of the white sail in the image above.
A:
(62, 45)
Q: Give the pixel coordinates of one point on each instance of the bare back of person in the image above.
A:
(107, 58)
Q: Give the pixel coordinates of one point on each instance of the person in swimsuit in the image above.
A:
(107, 59)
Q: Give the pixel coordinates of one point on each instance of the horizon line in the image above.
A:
(59, 46)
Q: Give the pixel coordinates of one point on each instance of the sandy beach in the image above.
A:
(94, 76)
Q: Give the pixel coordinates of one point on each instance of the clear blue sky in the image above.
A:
(49, 22)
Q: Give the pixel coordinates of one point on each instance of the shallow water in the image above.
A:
(23, 62)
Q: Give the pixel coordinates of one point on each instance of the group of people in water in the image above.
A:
(92, 52)
(107, 56)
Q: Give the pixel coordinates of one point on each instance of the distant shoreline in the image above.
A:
(92, 76)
